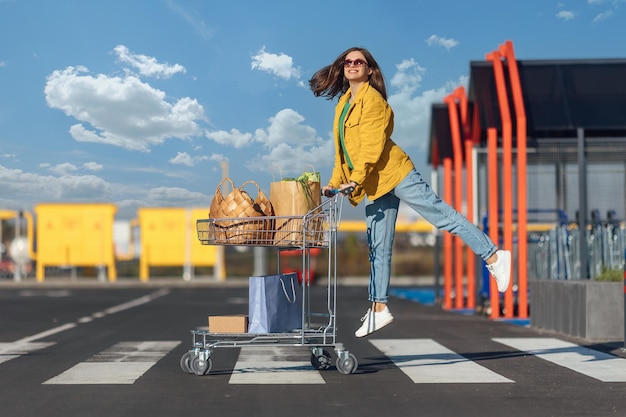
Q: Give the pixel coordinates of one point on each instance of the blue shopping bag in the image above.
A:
(275, 304)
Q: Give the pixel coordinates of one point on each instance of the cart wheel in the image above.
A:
(348, 365)
(185, 363)
(321, 362)
(200, 366)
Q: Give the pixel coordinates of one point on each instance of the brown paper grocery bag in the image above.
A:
(292, 199)
(238, 218)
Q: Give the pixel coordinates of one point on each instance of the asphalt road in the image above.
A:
(115, 351)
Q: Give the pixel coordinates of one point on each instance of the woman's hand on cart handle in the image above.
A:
(344, 189)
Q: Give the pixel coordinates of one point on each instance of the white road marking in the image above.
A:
(47, 333)
(427, 362)
(275, 365)
(422, 360)
(122, 363)
(14, 350)
(137, 302)
(111, 310)
(24, 346)
(595, 364)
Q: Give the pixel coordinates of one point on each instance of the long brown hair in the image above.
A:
(329, 81)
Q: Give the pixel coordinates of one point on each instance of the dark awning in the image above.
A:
(559, 97)
(440, 135)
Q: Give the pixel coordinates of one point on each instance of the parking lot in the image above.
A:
(105, 350)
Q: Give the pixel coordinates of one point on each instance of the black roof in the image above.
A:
(560, 96)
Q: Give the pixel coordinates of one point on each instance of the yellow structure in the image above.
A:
(421, 226)
(168, 238)
(76, 235)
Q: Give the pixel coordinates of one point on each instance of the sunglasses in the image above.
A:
(356, 63)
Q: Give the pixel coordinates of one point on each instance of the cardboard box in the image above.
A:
(228, 324)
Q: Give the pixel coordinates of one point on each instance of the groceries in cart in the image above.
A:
(280, 307)
(291, 216)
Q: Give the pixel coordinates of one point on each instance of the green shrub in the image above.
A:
(613, 275)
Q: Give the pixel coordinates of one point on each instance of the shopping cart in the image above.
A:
(316, 229)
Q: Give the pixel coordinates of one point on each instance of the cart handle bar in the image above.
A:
(345, 191)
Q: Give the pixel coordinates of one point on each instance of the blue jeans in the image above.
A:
(381, 217)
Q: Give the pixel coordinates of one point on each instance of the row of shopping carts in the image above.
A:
(554, 252)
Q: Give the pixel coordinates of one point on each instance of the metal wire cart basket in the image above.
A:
(316, 229)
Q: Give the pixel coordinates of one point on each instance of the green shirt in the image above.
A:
(342, 127)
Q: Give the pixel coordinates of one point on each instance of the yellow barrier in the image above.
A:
(168, 238)
(421, 226)
(75, 234)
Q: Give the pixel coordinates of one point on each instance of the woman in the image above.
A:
(368, 160)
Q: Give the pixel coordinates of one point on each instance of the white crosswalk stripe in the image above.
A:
(123, 363)
(423, 361)
(275, 365)
(595, 364)
(428, 362)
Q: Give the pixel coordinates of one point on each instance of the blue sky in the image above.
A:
(138, 103)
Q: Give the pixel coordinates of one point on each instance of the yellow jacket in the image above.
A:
(378, 163)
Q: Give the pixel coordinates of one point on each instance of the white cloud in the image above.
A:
(87, 187)
(21, 190)
(603, 16)
(289, 159)
(183, 158)
(176, 197)
(292, 145)
(133, 198)
(287, 140)
(612, 7)
(408, 76)
(147, 65)
(93, 166)
(566, 15)
(8, 155)
(412, 111)
(63, 169)
(198, 25)
(31, 187)
(286, 127)
(67, 168)
(447, 43)
(120, 111)
(280, 65)
(233, 138)
(217, 157)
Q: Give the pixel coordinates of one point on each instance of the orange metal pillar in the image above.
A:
(469, 193)
(522, 203)
(492, 184)
(471, 257)
(458, 194)
(507, 166)
(447, 237)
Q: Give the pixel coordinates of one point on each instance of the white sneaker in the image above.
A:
(373, 321)
(501, 270)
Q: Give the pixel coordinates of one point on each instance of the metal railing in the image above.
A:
(555, 253)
